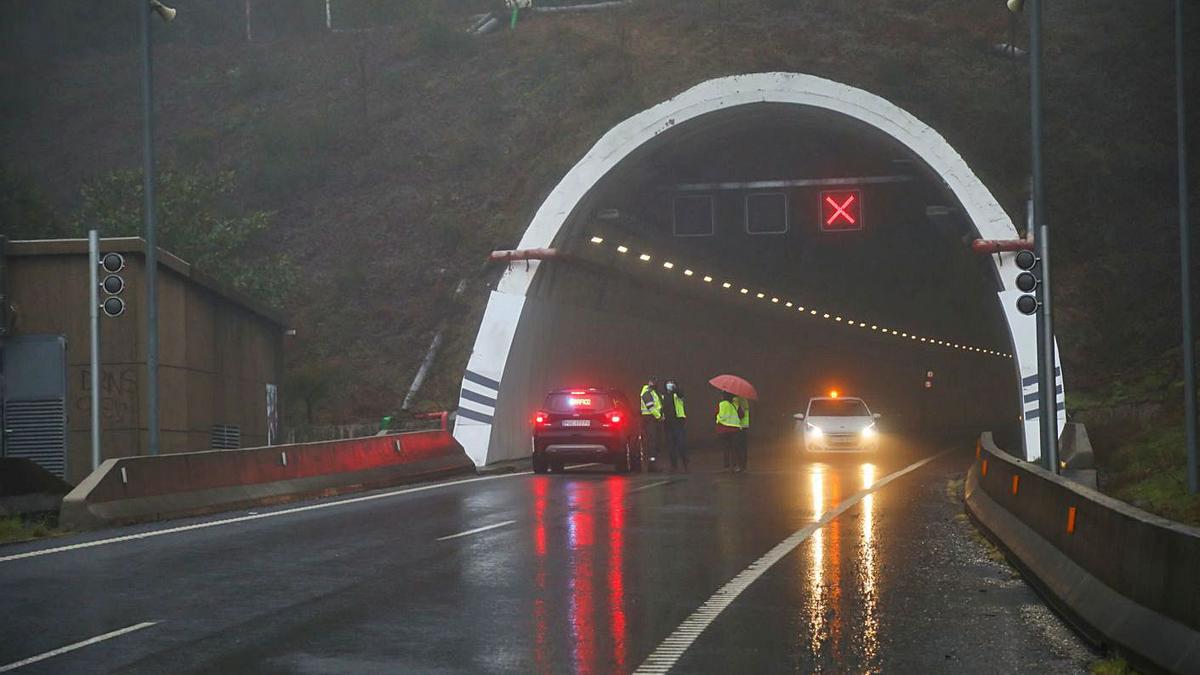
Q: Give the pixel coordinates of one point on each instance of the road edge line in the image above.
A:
(256, 516)
(76, 645)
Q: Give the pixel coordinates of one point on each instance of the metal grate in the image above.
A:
(225, 437)
(37, 430)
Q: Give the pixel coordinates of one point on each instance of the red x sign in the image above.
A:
(841, 210)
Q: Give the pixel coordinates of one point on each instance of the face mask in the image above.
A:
(670, 386)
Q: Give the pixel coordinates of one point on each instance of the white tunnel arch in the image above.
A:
(483, 382)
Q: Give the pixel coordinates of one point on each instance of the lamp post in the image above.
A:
(1185, 262)
(149, 220)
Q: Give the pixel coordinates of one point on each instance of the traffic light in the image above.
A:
(113, 284)
(1027, 282)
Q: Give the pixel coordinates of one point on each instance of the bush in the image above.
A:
(197, 222)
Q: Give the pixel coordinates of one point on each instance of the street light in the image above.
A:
(165, 12)
(1185, 262)
(148, 215)
(1047, 394)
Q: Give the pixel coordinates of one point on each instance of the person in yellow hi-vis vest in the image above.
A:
(729, 427)
(674, 415)
(743, 407)
(652, 421)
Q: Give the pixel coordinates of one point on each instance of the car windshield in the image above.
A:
(838, 407)
(566, 402)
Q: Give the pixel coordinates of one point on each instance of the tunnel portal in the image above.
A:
(801, 233)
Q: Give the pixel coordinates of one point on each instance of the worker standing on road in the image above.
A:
(674, 415)
(652, 421)
(743, 440)
(729, 427)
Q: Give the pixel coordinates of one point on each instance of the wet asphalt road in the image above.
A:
(592, 574)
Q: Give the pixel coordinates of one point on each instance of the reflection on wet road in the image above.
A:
(586, 572)
(828, 632)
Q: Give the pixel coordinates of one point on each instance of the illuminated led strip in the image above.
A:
(779, 301)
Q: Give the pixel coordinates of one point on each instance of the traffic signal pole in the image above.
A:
(1047, 396)
(1185, 261)
(94, 318)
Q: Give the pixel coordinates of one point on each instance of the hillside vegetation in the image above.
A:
(388, 162)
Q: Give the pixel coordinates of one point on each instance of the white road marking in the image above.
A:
(650, 485)
(668, 653)
(478, 529)
(257, 516)
(77, 645)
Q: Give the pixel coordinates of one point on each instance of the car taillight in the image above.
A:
(615, 419)
(541, 419)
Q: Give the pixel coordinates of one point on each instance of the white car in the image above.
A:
(838, 424)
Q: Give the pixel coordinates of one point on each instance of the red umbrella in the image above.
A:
(735, 385)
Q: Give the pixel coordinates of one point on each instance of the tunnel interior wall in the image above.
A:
(583, 326)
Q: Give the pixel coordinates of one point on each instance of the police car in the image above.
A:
(586, 425)
(838, 423)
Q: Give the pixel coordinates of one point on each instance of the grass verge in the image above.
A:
(1148, 470)
(1112, 666)
(15, 529)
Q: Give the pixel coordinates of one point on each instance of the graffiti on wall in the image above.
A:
(118, 395)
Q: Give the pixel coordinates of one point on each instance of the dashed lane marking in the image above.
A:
(668, 653)
(477, 530)
(78, 645)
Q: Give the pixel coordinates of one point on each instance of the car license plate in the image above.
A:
(577, 423)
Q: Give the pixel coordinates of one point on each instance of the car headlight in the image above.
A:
(814, 430)
(869, 431)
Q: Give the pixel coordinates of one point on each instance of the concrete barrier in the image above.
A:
(137, 489)
(1127, 579)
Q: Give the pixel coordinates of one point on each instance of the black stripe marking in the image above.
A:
(480, 379)
(1032, 379)
(472, 415)
(1034, 395)
(1035, 413)
(478, 398)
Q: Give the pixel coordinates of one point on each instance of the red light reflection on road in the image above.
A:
(581, 537)
(616, 568)
(540, 487)
(595, 519)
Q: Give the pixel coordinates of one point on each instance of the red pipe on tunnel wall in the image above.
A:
(989, 246)
(525, 254)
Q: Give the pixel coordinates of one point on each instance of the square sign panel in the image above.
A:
(841, 210)
(766, 213)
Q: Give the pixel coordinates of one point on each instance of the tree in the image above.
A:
(24, 212)
(195, 222)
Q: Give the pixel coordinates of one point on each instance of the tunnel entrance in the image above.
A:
(802, 233)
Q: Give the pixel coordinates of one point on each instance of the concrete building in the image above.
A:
(220, 359)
